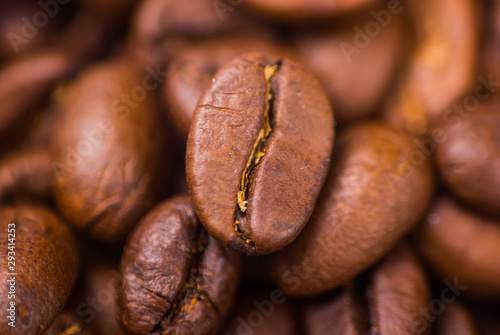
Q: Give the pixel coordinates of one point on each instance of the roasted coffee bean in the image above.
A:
(176, 278)
(258, 152)
(375, 193)
(108, 150)
(101, 281)
(387, 300)
(70, 323)
(39, 262)
(456, 320)
(25, 81)
(18, 31)
(293, 10)
(192, 70)
(264, 311)
(161, 28)
(443, 66)
(469, 158)
(26, 174)
(491, 52)
(462, 247)
(354, 85)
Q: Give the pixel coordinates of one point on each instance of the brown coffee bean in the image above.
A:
(263, 311)
(375, 193)
(20, 30)
(469, 158)
(387, 300)
(258, 152)
(462, 247)
(293, 10)
(108, 150)
(354, 85)
(44, 259)
(456, 320)
(443, 66)
(491, 51)
(176, 279)
(192, 70)
(26, 174)
(25, 81)
(161, 28)
(70, 323)
(102, 281)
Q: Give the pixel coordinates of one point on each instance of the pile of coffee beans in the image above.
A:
(239, 167)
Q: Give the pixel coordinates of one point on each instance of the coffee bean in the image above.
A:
(26, 174)
(192, 70)
(25, 82)
(258, 152)
(469, 157)
(296, 10)
(264, 311)
(345, 66)
(70, 323)
(456, 320)
(441, 62)
(108, 150)
(375, 193)
(44, 263)
(461, 246)
(386, 300)
(176, 279)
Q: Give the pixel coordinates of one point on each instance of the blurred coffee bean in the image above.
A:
(469, 157)
(108, 149)
(263, 311)
(297, 10)
(491, 52)
(100, 308)
(25, 82)
(354, 68)
(69, 323)
(388, 300)
(192, 70)
(176, 278)
(258, 152)
(461, 247)
(379, 186)
(160, 28)
(456, 320)
(26, 174)
(443, 66)
(27, 25)
(39, 262)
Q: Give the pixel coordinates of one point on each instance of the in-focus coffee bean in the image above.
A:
(258, 152)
